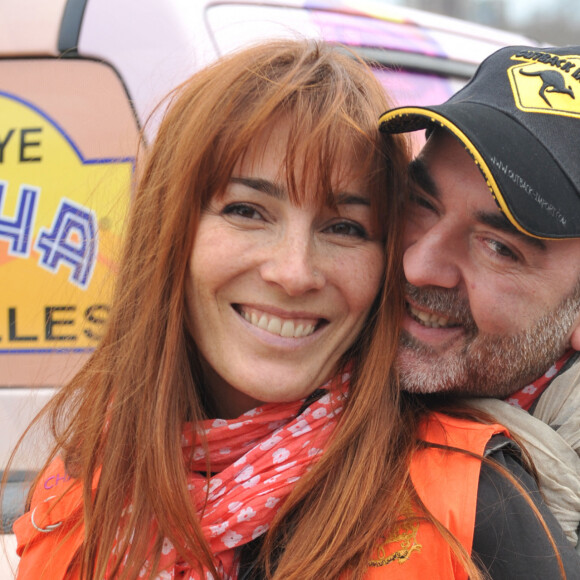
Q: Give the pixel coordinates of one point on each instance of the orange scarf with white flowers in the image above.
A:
(256, 460)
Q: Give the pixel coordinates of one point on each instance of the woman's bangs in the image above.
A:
(325, 154)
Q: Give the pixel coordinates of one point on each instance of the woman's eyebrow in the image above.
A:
(262, 185)
(348, 198)
(270, 188)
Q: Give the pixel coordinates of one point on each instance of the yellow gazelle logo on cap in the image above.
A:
(546, 83)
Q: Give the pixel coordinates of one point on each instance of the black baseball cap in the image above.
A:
(519, 118)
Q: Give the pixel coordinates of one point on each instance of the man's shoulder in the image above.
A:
(559, 404)
(552, 437)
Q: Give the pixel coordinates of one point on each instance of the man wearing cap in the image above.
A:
(492, 256)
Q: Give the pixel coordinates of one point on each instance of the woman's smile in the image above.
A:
(287, 326)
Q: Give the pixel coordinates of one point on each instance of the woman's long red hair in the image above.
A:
(122, 413)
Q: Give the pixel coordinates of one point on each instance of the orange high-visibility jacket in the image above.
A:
(446, 481)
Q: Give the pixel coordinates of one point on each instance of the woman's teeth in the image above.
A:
(280, 326)
(430, 320)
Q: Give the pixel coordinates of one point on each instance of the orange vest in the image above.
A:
(414, 552)
(49, 535)
(447, 482)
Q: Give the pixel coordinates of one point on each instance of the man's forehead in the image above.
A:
(443, 146)
(443, 150)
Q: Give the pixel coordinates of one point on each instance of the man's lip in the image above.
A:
(429, 318)
(436, 337)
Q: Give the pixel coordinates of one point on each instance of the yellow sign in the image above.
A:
(61, 220)
(546, 83)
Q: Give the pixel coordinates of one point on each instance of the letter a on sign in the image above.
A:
(72, 241)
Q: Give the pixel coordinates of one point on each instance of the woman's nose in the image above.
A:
(430, 259)
(293, 264)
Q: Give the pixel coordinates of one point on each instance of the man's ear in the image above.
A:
(575, 336)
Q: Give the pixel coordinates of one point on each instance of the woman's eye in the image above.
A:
(501, 249)
(350, 229)
(242, 210)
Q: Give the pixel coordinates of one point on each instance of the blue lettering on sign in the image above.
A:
(73, 240)
(18, 230)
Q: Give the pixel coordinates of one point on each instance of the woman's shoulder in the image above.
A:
(53, 519)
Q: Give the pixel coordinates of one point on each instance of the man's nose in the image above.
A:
(294, 264)
(431, 259)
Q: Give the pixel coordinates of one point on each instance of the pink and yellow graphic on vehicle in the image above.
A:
(61, 220)
(372, 30)
(346, 23)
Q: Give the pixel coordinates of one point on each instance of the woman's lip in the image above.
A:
(279, 312)
(285, 326)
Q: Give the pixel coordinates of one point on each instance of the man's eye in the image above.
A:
(243, 210)
(421, 201)
(346, 228)
(501, 249)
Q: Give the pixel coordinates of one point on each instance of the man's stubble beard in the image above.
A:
(486, 365)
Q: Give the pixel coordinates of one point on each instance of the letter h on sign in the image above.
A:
(18, 230)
